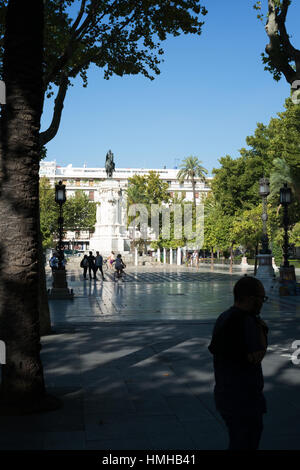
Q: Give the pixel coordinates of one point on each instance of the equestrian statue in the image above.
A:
(109, 164)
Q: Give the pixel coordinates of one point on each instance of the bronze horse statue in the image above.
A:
(109, 164)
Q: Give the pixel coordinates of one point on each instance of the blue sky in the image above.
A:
(210, 94)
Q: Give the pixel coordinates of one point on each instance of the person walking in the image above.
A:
(238, 345)
(98, 264)
(119, 267)
(111, 260)
(91, 261)
(84, 264)
(53, 262)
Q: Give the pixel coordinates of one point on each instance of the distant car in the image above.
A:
(70, 252)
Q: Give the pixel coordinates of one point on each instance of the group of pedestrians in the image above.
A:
(92, 263)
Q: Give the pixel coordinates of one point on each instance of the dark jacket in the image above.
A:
(239, 383)
(91, 261)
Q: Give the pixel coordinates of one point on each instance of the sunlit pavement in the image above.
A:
(158, 294)
(131, 363)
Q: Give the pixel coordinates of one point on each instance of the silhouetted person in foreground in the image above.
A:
(238, 344)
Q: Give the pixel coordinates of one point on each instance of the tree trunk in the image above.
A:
(194, 191)
(255, 263)
(22, 375)
(44, 313)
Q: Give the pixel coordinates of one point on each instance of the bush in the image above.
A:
(277, 253)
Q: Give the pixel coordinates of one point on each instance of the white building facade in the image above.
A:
(111, 232)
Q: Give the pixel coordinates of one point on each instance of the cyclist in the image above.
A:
(119, 266)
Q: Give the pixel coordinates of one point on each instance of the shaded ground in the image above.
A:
(147, 384)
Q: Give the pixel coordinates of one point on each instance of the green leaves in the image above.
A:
(79, 213)
(274, 152)
(149, 189)
(121, 37)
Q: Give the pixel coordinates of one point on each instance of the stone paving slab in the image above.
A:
(162, 294)
(148, 404)
(148, 384)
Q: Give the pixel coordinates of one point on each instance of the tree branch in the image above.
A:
(279, 48)
(76, 35)
(87, 62)
(89, 19)
(51, 132)
(78, 19)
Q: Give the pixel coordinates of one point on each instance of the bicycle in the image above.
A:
(119, 275)
(105, 265)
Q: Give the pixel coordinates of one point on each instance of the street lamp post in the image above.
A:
(60, 198)
(265, 271)
(60, 286)
(287, 272)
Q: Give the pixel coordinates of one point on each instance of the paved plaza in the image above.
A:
(130, 362)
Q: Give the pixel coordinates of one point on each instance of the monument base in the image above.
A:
(265, 271)
(288, 283)
(110, 229)
(105, 245)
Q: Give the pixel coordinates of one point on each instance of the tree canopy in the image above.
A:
(273, 152)
(79, 213)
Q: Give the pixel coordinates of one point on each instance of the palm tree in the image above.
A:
(191, 168)
(22, 375)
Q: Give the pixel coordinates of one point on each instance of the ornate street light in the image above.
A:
(285, 200)
(60, 288)
(287, 272)
(60, 198)
(264, 191)
(265, 271)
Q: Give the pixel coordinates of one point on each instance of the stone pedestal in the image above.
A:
(265, 272)
(110, 229)
(60, 288)
(287, 281)
(287, 273)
